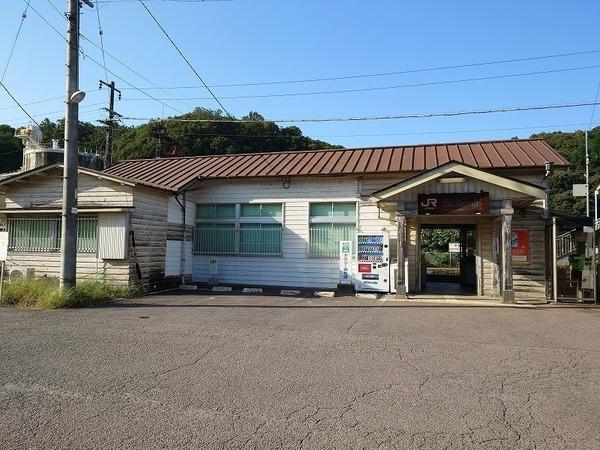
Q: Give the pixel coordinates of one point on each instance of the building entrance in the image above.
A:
(447, 259)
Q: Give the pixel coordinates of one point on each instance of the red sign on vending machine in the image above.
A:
(364, 268)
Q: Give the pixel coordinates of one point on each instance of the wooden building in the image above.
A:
(275, 219)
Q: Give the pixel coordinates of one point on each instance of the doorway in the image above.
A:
(448, 259)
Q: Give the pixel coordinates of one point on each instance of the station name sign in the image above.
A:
(457, 204)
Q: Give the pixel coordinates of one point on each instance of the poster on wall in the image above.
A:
(520, 245)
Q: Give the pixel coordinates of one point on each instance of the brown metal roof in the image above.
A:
(175, 173)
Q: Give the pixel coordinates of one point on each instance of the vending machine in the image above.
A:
(372, 262)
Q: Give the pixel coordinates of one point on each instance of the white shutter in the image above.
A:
(113, 237)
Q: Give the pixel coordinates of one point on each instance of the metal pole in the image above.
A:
(109, 135)
(68, 244)
(110, 123)
(587, 177)
(1, 278)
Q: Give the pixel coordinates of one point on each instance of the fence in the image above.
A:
(565, 244)
(43, 234)
(249, 239)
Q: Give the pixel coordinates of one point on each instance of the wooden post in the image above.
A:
(508, 294)
(401, 256)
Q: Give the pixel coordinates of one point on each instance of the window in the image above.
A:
(42, 234)
(245, 229)
(330, 223)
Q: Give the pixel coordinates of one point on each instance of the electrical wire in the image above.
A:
(17, 102)
(85, 55)
(12, 49)
(101, 34)
(594, 107)
(384, 74)
(105, 53)
(185, 59)
(388, 117)
(411, 133)
(398, 86)
(108, 2)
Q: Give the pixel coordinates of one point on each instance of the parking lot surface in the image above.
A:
(203, 371)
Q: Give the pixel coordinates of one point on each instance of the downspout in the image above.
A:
(183, 235)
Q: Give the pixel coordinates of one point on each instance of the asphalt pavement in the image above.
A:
(204, 371)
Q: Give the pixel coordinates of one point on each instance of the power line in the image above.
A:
(62, 97)
(411, 133)
(17, 102)
(440, 82)
(51, 113)
(100, 65)
(101, 33)
(12, 49)
(399, 72)
(398, 86)
(594, 107)
(388, 117)
(108, 2)
(185, 59)
(105, 53)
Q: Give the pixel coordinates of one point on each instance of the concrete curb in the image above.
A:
(221, 289)
(290, 292)
(248, 290)
(324, 294)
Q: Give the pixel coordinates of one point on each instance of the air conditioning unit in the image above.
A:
(17, 273)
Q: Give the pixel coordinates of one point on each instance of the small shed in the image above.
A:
(114, 213)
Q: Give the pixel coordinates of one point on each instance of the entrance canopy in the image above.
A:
(453, 180)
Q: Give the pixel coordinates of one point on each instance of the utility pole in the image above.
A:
(587, 177)
(68, 244)
(110, 122)
(158, 132)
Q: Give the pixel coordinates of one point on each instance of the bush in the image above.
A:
(44, 293)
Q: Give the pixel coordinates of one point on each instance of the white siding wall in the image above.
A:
(173, 258)
(88, 266)
(46, 190)
(295, 267)
(174, 211)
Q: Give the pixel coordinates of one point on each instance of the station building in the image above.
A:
(276, 219)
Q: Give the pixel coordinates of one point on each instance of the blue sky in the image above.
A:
(246, 41)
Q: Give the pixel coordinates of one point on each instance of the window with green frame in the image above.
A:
(330, 223)
(261, 228)
(43, 234)
(256, 231)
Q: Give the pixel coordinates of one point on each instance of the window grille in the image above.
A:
(43, 234)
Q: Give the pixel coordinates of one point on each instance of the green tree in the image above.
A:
(11, 150)
(572, 147)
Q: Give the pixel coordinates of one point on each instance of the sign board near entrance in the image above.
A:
(3, 245)
(454, 247)
(520, 245)
(457, 204)
(345, 262)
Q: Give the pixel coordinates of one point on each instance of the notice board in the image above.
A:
(520, 245)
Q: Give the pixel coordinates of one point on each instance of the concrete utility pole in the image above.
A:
(587, 177)
(68, 244)
(110, 123)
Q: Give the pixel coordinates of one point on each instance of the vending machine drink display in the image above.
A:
(372, 262)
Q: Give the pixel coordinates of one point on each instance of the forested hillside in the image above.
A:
(181, 138)
(172, 138)
(572, 147)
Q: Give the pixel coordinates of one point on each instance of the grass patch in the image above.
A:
(44, 293)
